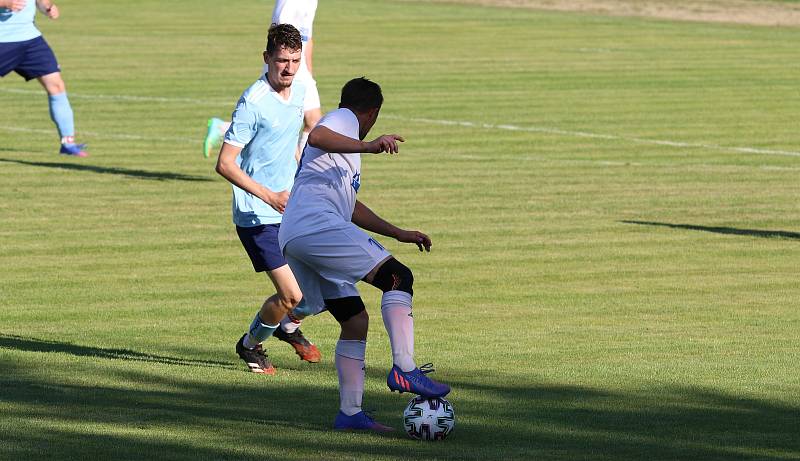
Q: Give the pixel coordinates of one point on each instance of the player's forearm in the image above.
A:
(366, 219)
(325, 139)
(228, 169)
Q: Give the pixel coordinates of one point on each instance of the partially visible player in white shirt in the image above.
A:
(322, 238)
(300, 14)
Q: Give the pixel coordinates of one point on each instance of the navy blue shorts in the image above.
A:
(261, 244)
(30, 59)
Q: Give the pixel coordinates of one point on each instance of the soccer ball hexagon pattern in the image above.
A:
(429, 419)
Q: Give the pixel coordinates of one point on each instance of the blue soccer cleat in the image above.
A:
(416, 382)
(213, 135)
(358, 422)
(74, 150)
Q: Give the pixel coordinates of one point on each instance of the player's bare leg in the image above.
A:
(266, 321)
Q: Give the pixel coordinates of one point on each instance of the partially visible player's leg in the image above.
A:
(396, 281)
(215, 132)
(341, 299)
(40, 63)
(280, 306)
(351, 364)
(312, 111)
(261, 245)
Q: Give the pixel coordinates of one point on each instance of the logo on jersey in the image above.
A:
(356, 181)
(375, 242)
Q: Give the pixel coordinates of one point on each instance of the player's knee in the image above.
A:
(343, 309)
(54, 86)
(394, 275)
(356, 326)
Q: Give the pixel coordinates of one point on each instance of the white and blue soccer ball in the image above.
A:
(429, 419)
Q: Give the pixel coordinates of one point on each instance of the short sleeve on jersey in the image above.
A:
(343, 122)
(243, 124)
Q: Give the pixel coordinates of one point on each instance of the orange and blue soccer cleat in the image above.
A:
(304, 348)
(416, 382)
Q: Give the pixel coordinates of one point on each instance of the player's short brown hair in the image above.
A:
(283, 35)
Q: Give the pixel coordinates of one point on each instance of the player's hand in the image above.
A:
(385, 143)
(277, 200)
(16, 5)
(53, 12)
(422, 240)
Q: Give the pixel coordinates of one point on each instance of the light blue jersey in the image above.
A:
(19, 26)
(267, 128)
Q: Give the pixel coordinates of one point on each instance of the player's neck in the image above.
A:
(285, 92)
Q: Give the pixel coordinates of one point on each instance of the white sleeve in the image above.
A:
(341, 121)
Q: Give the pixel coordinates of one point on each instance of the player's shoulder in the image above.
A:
(340, 115)
(342, 121)
(257, 91)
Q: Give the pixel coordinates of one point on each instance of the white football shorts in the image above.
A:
(329, 263)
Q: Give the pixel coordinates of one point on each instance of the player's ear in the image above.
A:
(266, 57)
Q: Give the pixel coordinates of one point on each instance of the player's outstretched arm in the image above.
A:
(328, 140)
(365, 218)
(228, 169)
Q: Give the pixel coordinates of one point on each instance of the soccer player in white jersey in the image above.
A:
(299, 13)
(258, 158)
(328, 252)
(24, 51)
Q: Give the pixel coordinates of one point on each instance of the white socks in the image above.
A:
(399, 323)
(290, 323)
(350, 366)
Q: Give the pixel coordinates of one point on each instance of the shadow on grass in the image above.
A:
(152, 415)
(21, 343)
(139, 174)
(723, 230)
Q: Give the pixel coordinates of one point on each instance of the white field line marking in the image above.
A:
(131, 137)
(486, 126)
(584, 134)
(122, 97)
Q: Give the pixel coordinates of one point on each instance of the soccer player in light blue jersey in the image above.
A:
(258, 158)
(299, 13)
(24, 51)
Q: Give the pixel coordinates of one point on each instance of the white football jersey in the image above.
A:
(300, 14)
(325, 186)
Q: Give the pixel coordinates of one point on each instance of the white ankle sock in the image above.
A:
(399, 323)
(350, 366)
(290, 324)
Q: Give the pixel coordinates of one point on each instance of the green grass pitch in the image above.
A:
(613, 204)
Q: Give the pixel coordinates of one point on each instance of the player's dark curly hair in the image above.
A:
(361, 95)
(283, 35)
